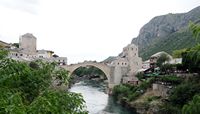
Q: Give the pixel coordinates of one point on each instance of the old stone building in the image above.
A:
(126, 65)
(44, 53)
(27, 43)
(27, 51)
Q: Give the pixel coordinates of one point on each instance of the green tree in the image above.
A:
(184, 93)
(16, 45)
(193, 106)
(167, 68)
(195, 28)
(163, 58)
(191, 59)
(3, 53)
(178, 53)
(27, 88)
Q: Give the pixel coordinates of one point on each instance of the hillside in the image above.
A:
(166, 33)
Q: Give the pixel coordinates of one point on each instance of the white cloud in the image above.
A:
(83, 29)
(29, 6)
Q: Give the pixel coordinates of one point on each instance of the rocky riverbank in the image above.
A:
(148, 103)
(146, 98)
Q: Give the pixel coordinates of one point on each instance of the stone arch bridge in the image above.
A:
(106, 69)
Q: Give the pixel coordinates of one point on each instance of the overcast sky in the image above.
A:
(83, 29)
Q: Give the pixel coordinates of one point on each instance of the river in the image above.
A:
(97, 101)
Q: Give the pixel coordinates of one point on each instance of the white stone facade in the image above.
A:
(27, 51)
(44, 53)
(126, 65)
(27, 43)
(146, 64)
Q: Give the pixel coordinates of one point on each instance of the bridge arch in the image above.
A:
(103, 67)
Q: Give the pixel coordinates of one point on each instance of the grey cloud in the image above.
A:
(30, 6)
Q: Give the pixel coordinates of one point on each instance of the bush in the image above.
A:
(27, 88)
(174, 80)
(146, 84)
(193, 106)
(169, 109)
(129, 92)
(121, 91)
(184, 93)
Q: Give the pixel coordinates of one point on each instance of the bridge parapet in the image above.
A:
(103, 67)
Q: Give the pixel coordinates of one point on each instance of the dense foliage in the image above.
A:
(184, 93)
(28, 88)
(170, 79)
(181, 96)
(178, 53)
(191, 59)
(127, 92)
(193, 106)
(195, 28)
(162, 59)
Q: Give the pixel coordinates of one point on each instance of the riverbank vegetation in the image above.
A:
(27, 88)
(125, 93)
(183, 95)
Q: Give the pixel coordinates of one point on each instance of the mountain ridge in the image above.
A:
(161, 28)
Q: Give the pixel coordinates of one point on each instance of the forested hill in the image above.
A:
(166, 33)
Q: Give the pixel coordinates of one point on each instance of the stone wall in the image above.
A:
(160, 89)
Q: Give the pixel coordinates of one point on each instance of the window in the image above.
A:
(122, 63)
(118, 63)
(21, 54)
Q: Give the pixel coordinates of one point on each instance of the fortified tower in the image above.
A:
(124, 68)
(27, 43)
(135, 62)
